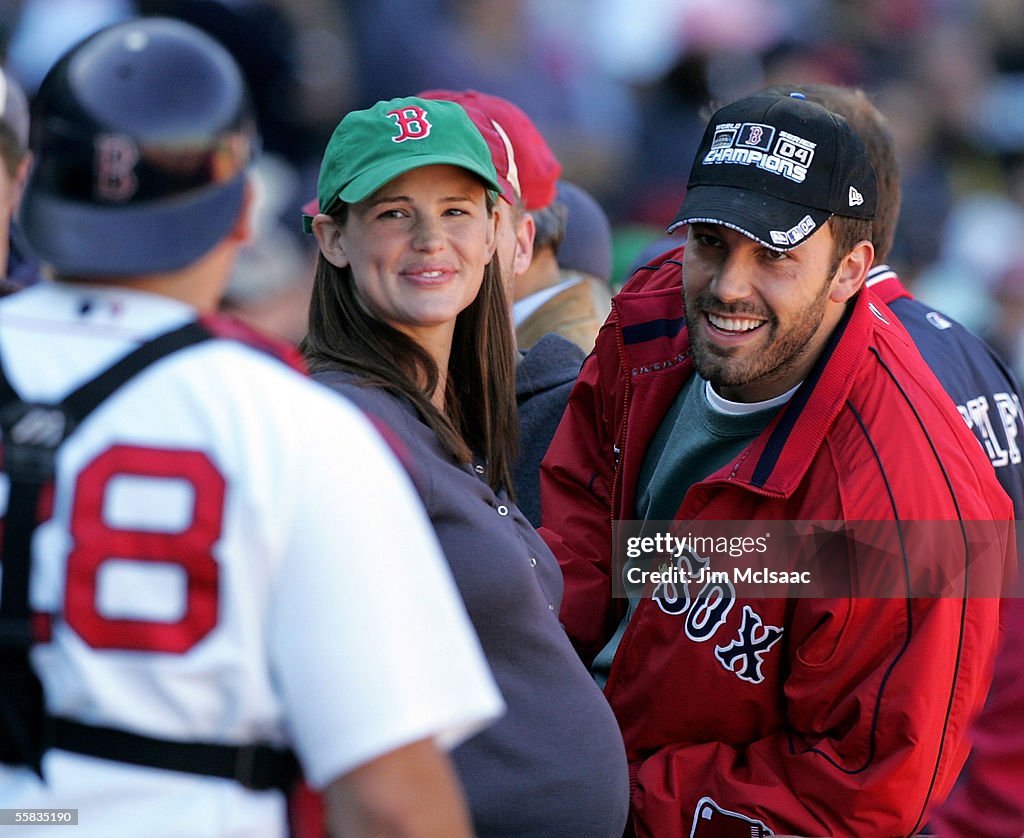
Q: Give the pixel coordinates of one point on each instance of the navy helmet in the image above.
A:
(141, 134)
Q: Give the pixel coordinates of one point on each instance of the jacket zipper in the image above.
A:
(620, 434)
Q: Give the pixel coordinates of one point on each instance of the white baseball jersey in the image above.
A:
(234, 556)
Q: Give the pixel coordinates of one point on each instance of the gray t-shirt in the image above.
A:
(555, 764)
(700, 433)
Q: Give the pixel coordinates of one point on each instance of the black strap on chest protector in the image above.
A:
(32, 435)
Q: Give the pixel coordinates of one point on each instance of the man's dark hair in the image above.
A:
(846, 232)
(550, 223)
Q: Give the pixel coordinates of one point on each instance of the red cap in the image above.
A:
(501, 151)
(522, 156)
(309, 209)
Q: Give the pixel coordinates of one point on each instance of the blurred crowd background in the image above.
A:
(621, 91)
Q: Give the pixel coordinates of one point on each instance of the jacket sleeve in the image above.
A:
(987, 799)
(576, 479)
(876, 703)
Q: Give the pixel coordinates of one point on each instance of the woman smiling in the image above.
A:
(409, 320)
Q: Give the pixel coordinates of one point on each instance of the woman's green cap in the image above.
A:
(372, 147)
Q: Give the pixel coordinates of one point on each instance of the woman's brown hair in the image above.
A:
(479, 414)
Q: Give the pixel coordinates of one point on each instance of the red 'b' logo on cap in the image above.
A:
(412, 124)
(116, 157)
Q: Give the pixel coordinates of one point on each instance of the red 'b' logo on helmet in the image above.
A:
(412, 124)
(116, 156)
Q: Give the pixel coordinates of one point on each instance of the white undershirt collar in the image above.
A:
(723, 405)
(521, 309)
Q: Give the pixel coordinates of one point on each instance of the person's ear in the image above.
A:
(242, 229)
(852, 272)
(492, 232)
(21, 174)
(526, 232)
(328, 239)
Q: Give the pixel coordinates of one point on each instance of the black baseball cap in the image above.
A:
(142, 134)
(776, 168)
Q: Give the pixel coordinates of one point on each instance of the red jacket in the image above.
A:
(987, 799)
(847, 716)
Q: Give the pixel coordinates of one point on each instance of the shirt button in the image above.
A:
(478, 469)
(533, 562)
(551, 607)
(502, 510)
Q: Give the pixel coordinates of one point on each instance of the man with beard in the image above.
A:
(749, 384)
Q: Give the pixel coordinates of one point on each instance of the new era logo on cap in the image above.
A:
(776, 168)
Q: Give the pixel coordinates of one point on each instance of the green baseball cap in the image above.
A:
(371, 147)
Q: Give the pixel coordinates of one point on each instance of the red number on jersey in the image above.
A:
(191, 548)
